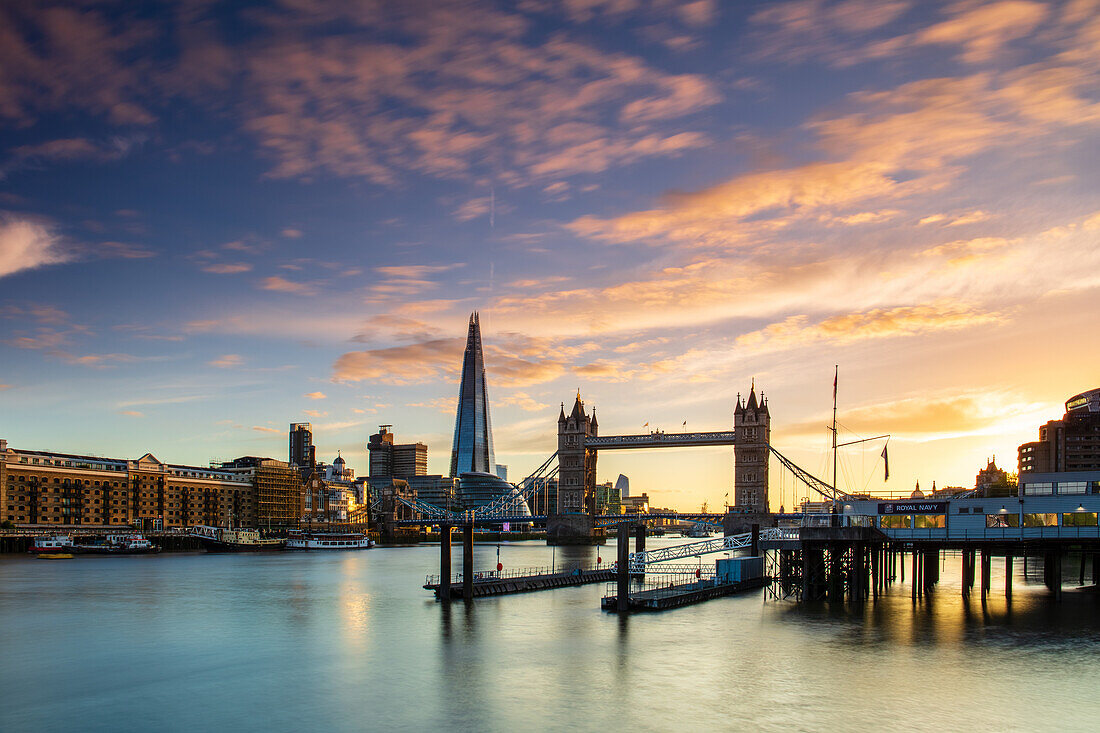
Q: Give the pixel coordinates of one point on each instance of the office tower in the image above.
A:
(302, 451)
(390, 460)
(472, 449)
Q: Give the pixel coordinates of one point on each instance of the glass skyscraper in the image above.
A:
(472, 449)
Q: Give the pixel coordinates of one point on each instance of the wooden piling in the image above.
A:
(468, 562)
(623, 574)
(914, 575)
(875, 573)
(985, 573)
(639, 546)
(1008, 576)
(445, 563)
(965, 574)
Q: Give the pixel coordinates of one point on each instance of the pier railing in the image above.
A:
(993, 533)
(667, 586)
(484, 576)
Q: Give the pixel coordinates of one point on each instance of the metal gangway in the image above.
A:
(640, 561)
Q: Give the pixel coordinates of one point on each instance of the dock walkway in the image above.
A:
(673, 596)
(496, 584)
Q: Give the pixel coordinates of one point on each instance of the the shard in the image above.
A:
(472, 449)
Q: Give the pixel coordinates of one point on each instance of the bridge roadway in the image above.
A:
(661, 440)
(601, 519)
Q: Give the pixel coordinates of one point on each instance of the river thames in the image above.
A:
(342, 642)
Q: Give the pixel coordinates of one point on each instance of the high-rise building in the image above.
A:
(1069, 444)
(752, 425)
(302, 451)
(623, 485)
(472, 449)
(391, 460)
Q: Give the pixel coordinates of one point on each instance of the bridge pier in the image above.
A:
(573, 529)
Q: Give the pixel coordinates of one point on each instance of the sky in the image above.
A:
(219, 218)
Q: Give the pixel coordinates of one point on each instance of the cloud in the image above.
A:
(131, 413)
(472, 209)
(465, 91)
(262, 429)
(316, 395)
(283, 285)
(124, 251)
(984, 30)
(27, 245)
(926, 417)
(57, 58)
(314, 413)
(799, 331)
(228, 268)
(523, 401)
(291, 233)
(40, 312)
(227, 361)
(515, 361)
(97, 361)
(201, 326)
(445, 405)
(4, 386)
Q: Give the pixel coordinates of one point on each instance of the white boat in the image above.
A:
(118, 544)
(329, 541)
(57, 543)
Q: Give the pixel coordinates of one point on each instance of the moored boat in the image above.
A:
(217, 539)
(54, 544)
(117, 544)
(329, 541)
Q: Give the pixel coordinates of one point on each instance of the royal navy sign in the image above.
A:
(913, 507)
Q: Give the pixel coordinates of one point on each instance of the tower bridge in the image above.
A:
(579, 443)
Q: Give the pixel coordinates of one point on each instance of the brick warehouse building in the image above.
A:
(61, 489)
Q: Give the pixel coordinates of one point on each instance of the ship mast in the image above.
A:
(836, 373)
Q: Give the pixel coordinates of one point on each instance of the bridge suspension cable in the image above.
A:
(526, 489)
(821, 487)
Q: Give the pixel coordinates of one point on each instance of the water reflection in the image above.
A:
(353, 642)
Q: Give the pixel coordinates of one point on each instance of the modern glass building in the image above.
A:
(472, 449)
(476, 489)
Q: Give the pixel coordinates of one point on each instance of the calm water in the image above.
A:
(308, 641)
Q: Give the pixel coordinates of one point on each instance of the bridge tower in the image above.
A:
(576, 463)
(752, 425)
(571, 522)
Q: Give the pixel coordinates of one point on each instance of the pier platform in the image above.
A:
(659, 598)
(521, 581)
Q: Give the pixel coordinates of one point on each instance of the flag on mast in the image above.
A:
(835, 374)
(886, 463)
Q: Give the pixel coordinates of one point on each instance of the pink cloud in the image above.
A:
(282, 285)
(228, 268)
(227, 361)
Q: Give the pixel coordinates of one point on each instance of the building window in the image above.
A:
(1040, 520)
(1001, 521)
(1073, 487)
(1038, 488)
(1079, 519)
